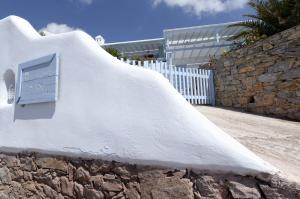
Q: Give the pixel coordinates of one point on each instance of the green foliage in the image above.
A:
(42, 33)
(137, 58)
(114, 52)
(143, 57)
(271, 17)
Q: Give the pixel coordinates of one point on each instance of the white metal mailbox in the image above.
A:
(38, 80)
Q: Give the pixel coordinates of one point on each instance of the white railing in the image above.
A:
(196, 85)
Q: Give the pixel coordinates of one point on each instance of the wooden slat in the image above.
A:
(194, 86)
(176, 77)
(198, 87)
(159, 67)
(206, 87)
(201, 86)
(171, 74)
(184, 83)
(180, 80)
(146, 64)
(188, 85)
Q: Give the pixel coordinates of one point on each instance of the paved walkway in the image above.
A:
(276, 141)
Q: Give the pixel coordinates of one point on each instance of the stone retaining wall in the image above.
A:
(263, 78)
(40, 176)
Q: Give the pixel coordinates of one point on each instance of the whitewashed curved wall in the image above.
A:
(111, 110)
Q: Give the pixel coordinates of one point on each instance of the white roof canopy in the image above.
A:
(194, 45)
(139, 47)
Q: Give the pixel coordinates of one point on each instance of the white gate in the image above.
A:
(196, 85)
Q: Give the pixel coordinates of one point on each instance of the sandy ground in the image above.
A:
(274, 140)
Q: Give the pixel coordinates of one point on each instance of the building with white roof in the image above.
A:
(190, 46)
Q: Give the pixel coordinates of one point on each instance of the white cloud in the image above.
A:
(55, 28)
(198, 7)
(87, 2)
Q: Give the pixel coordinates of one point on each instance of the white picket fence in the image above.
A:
(196, 85)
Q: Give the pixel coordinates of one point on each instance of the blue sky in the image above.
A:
(122, 20)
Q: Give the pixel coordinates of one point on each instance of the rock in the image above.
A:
(267, 46)
(241, 191)
(78, 188)
(11, 161)
(60, 196)
(52, 163)
(97, 181)
(270, 193)
(179, 174)
(82, 175)
(154, 184)
(93, 194)
(207, 187)
(5, 177)
(16, 189)
(121, 171)
(267, 77)
(279, 67)
(110, 194)
(99, 167)
(67, 187)
(49, 192)
(56, 184)
(292, 74)
(132, 194)
(4, 195)
(265, 177)
(94, 169)
(112, 186)
(42, 176)
(228, 63)
(17, 174)
(246, 69)
(119, 196)
(71, 172)
(134, 185)
(28, 164)
(197, 195)
(109, 177)
(30, 186)
(27, 176)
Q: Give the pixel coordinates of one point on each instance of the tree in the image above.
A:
(42, 33)
(114, 52)
(272, 16)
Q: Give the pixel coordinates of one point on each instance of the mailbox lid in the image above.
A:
(38, 80)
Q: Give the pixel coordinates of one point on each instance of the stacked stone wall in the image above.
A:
(263, 78)
(31, 175)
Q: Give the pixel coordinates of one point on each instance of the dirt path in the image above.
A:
(276, 141)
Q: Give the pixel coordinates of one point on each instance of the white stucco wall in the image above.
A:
(108, 109)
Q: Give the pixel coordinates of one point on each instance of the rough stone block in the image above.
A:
(267, 77)
(292, 74)
(267, 46)
(247, 69)
(241, 191)
(52, 163)
(67, 187)
(5, 177)
(155, 185)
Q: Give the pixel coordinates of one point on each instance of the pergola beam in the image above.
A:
(200, 47)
